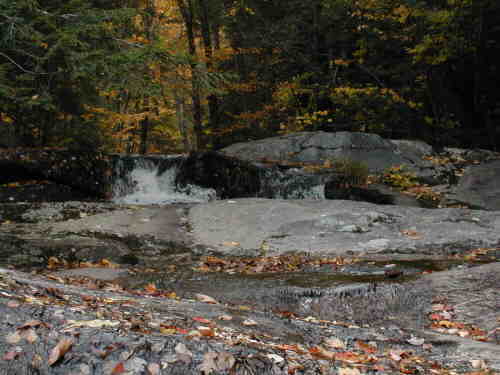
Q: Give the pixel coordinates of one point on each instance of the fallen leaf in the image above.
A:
(367, 348)
(416, 341)
(150, 288)
(107, 263)
(334, 342)
(249, 322)
(202, 320)
(225, 317)
(97, 323)
(59, 350)
(206, 331)
(230, 243)
(118, 369)
(153, 369)
(275, 358)
(168, 331)
(348, 371)
(350, 357)
(206, 299)
(243, 308)
(13, 304)
(321, 353)
(478, 363)
(412, 234)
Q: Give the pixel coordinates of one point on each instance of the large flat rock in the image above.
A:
(339, 227)
(318, 147)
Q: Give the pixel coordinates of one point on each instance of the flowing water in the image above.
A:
(146, 181)
(151, 180)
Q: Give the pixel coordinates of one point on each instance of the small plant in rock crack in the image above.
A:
(350, 172)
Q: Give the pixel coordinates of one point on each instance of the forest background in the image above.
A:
(143, 76)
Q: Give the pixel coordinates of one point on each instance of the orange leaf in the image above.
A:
(435, 316)
(119, 369)
(349, 357)
(446, 323)
(321, 353)
(367, 348)
(202, 320)
(206, 331)
(150, 288)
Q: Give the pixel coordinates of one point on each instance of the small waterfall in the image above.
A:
(292, 184)
(152, 180)
(145, 181)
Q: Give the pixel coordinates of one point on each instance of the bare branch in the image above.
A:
(20, 67)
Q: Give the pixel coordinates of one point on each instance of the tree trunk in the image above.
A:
(213, 101)
(182, 121)
(187, 12)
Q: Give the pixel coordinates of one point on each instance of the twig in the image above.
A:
(20, 67)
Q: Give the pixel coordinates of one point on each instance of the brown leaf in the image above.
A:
(59, 350)
(412, 234)
(350, 357)
(206, 331)
(367, 348)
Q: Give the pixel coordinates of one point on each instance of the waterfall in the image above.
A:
(150, 180)
(147, 180)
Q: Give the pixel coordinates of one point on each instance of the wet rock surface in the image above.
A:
(255, 226)
(260, 324)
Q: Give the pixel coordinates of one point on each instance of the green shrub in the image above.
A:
(351, 172)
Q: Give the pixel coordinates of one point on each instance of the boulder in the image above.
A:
(316, 148)
(479, 186)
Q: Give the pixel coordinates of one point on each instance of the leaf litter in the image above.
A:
(125, 311)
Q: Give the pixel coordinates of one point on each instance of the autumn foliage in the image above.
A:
(179, 75)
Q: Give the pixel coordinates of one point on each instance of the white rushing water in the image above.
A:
(147, 187)
(142, 184)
